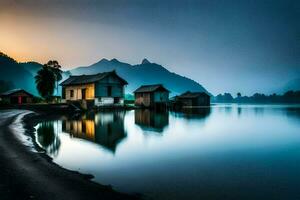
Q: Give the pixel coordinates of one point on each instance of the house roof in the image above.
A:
(84, 79)
(150, 88)
(189, 94)
(13, 91)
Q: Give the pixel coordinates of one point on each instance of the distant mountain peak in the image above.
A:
(145, 73)
(145, 61)
(114, 60)
(103, 60)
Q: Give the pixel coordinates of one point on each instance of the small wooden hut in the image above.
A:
(151, 96)
(17, 96)
(193, 99)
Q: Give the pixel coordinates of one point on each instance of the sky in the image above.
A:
(232, 46)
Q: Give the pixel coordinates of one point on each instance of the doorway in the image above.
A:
(83, 93)
(19, 100)
(109, 91)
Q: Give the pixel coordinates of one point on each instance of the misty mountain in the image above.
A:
(32, 67)
(21, 75)
(141, 74)
(15, 75)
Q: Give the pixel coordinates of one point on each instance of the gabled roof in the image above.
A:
(150, 88)
(189, 94)
(13, 91)
(84, 79)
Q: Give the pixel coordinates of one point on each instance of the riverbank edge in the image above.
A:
(29, 122)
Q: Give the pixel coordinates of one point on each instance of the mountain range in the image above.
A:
(15, 74)
(21, 75)
(18, 75)
(141, 74)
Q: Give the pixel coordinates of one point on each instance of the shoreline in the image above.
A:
(32, 175)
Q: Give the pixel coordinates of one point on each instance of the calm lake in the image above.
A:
(225, 152)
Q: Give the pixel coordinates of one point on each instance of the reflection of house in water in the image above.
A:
(106, 129)
(151, 120)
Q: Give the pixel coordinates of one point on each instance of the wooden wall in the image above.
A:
(149, 99)
(161, 97)
(143, 99)
(102, 90)
(90, 91)
(117, 88)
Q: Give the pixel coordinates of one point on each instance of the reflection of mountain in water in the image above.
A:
(151, 120)
(193, 113)
(47, 137)
(106, 129)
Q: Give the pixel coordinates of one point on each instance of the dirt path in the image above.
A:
(28, 175)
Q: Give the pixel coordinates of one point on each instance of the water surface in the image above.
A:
(224, 152)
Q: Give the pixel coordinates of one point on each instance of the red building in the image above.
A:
(17, 96)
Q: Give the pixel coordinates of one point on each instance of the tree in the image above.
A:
(225, 98)
(228, 97)
(239, 95)
(45, 82)
(56, 69)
